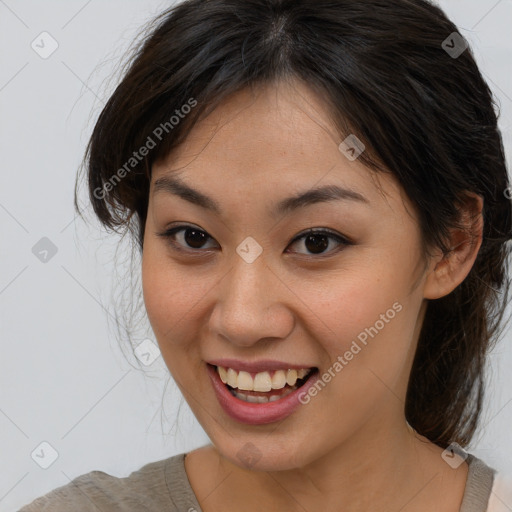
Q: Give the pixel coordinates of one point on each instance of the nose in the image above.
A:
(251, 305)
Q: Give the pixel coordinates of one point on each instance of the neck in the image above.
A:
(382, 464)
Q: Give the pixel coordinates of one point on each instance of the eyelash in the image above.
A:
(169, 234)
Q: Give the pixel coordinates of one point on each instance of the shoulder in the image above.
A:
(144, 489)
(501, 494)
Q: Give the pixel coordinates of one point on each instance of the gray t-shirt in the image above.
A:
(164, 485)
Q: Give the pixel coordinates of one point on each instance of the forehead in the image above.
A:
(266, 141)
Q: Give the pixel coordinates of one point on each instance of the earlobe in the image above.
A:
(447, 271)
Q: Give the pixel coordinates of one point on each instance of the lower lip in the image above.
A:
(256, 414)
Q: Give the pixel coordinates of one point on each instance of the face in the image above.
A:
(233, 278)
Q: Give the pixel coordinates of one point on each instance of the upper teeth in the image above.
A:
(262, 381)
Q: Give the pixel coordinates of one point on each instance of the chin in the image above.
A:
(264, 455)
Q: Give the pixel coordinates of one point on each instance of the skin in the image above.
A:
(350, 447)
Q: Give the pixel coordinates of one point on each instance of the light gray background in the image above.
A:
(63, 377)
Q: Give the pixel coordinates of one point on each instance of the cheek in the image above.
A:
(365, 323)
(172, 296)
(347, 304)
(169, 295)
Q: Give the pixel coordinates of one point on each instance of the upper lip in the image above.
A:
(257, 366)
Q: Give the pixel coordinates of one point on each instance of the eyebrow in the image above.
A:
(323, 194)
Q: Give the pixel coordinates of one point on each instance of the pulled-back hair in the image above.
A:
(424, 115)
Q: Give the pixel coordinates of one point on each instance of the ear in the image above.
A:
(447, 271)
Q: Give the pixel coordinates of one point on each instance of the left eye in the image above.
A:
(189, 238)
(317, 241)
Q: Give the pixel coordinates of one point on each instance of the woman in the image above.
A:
(318, 190)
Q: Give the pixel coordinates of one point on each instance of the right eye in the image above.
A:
(186, 238)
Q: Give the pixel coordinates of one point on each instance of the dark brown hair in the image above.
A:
(424, 115)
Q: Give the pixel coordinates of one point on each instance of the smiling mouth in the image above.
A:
(263, 387)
